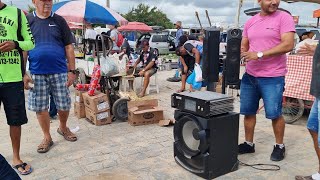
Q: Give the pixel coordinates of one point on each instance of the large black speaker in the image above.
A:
(232, 61)
(210, 55)
(207, 147)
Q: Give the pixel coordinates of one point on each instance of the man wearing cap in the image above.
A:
(148, 57)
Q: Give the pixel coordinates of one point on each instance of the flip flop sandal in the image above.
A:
(68, 135)
(23, 166)
(44, 146)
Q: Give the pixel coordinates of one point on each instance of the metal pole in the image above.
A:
(108, 3)
(238, 14)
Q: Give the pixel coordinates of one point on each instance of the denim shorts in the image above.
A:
(270, 89)
(38, 99)
(314, 117)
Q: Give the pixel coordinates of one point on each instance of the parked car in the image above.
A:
(173, 32)
(161, 42)
(301, 30)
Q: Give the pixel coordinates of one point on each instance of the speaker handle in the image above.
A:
(196, 171)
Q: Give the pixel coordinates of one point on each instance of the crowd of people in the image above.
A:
(44, 39)
(52, 68)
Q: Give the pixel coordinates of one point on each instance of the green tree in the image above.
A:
(31, 8)
(148, 15)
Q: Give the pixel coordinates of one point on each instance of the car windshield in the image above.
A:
(160, 38)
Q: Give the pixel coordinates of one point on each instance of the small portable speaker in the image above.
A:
(206, 146)
(232, 61)
(210, 55)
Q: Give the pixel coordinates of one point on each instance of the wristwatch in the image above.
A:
(73, 71)
(260, 55)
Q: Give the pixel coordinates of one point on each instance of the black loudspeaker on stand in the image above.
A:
(231, 69)
(206, 146)
(210, 59)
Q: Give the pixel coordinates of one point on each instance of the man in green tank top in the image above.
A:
(15, 37)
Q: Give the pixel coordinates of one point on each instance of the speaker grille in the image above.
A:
(211, 59)
(232, 62)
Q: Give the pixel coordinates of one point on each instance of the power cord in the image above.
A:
(262, 167)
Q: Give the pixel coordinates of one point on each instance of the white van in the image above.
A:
(173, 32)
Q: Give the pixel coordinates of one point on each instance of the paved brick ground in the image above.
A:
(120, 151)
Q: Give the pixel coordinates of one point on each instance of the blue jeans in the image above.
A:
(6, 171)
(270, 89)
(314, 117)
(52, 108)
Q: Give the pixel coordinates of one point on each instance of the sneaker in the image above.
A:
(278, 153)
(245, 148)
(174, 79)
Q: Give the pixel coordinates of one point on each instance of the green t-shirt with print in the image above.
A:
(11, 62)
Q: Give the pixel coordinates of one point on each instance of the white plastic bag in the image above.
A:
(198, 72)
(121, 63)
(108, 66)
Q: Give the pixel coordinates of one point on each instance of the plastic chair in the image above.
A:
(125, 81)
(153, 84)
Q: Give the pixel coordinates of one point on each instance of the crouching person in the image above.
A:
(190, 53)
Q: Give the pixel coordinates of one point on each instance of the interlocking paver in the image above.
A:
(120, 151)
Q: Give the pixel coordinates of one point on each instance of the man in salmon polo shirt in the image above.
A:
(267, 37)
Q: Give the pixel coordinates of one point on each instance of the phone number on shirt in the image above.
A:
(9, 61)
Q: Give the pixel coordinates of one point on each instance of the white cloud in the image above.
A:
(220, 11)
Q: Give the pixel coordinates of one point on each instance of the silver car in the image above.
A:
(161, 42)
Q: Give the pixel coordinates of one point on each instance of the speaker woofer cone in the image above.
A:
(188, 133)
(189, 129)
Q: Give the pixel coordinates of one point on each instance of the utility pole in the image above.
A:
(238, 14)
(108, 3)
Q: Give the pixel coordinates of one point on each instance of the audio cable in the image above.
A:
(262, 167)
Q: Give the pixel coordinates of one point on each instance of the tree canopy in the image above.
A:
(31, 8)
(148, 15)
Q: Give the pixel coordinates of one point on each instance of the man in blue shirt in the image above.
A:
(179, 33)
(52, 68)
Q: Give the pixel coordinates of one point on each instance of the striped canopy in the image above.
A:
(87, 11)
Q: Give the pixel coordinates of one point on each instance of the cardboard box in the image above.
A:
(144, 112)
(97, 103)
(98, 119)
(79, 110)
(79, 97)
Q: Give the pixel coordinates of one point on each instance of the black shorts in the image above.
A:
(12, 97)
(190, 61)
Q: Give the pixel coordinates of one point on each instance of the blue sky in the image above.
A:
(220, 11)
